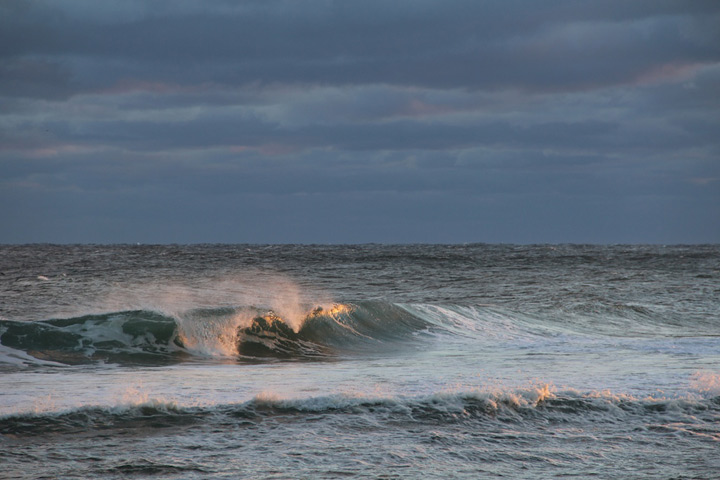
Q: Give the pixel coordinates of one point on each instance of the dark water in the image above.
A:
(462, 361)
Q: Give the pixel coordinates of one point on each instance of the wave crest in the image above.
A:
(541, 403)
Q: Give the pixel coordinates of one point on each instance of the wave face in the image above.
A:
(246, 333)
(122, 337)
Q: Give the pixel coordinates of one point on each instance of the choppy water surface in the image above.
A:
(472, 361)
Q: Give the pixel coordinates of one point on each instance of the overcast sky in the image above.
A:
(177, 121)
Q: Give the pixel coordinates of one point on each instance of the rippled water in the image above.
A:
(463, 361)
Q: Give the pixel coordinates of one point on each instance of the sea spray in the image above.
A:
(259, 289)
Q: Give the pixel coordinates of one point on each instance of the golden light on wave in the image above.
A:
(336, 309)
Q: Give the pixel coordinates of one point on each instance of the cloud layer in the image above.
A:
(347, 121)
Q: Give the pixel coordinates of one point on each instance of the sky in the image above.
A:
(330, 121)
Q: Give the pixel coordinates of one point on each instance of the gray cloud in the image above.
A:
(498, 121)
(435, 44)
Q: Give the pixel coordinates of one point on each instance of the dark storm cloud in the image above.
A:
(536, 121)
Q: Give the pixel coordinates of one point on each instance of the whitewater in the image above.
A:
(360, 361)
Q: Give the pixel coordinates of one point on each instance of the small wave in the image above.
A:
(147, 467)
(534, 404)
(542, 401)
(152, 414)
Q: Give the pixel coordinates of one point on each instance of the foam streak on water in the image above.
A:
(473, 361)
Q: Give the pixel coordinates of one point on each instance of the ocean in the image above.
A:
(359, 361)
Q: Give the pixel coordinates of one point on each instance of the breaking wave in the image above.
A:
(252, 334)
(693, 414)
(246, 334)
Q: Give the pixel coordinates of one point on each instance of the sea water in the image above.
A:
(368, 361)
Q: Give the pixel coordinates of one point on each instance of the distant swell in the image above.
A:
(538, 404)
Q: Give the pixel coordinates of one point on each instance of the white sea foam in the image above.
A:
(706, 383)
(19, 358)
